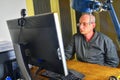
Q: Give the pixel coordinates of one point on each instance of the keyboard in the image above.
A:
(52, 75)
(77, 74)
(73, 75)
(70, 77)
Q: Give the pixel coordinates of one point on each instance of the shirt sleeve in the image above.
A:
(111, 56)
(70, 49)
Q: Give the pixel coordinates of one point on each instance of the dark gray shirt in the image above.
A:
(100, 50)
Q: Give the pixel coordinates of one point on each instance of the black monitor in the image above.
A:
(38, 42)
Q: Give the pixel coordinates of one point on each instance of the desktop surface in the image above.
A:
(91, 71)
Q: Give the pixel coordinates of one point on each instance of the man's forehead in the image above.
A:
(84, 19)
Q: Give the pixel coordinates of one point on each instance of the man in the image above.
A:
(92, 46)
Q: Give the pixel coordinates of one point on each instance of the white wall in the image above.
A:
(9, 9)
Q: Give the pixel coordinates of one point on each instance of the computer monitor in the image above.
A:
(39, 42)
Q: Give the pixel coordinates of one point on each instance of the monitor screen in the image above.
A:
(39, 42)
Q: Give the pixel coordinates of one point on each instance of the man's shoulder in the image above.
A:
(103, 36)
(77, 34)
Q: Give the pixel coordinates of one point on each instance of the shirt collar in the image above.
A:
(94, 36)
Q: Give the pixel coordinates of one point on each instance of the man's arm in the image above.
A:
(111, 56)
(70, 49)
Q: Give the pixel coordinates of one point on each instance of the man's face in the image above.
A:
(85, 25)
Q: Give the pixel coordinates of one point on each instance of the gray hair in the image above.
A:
(92, 17)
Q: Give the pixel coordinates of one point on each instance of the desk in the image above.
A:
(91, 71)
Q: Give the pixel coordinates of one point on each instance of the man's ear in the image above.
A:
(94, 25)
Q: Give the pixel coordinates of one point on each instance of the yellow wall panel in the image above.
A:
(30, 7)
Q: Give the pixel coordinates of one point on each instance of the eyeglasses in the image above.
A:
(84, 23)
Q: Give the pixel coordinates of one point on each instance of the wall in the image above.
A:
(106, 25)
(61, 7)
(9, 9)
